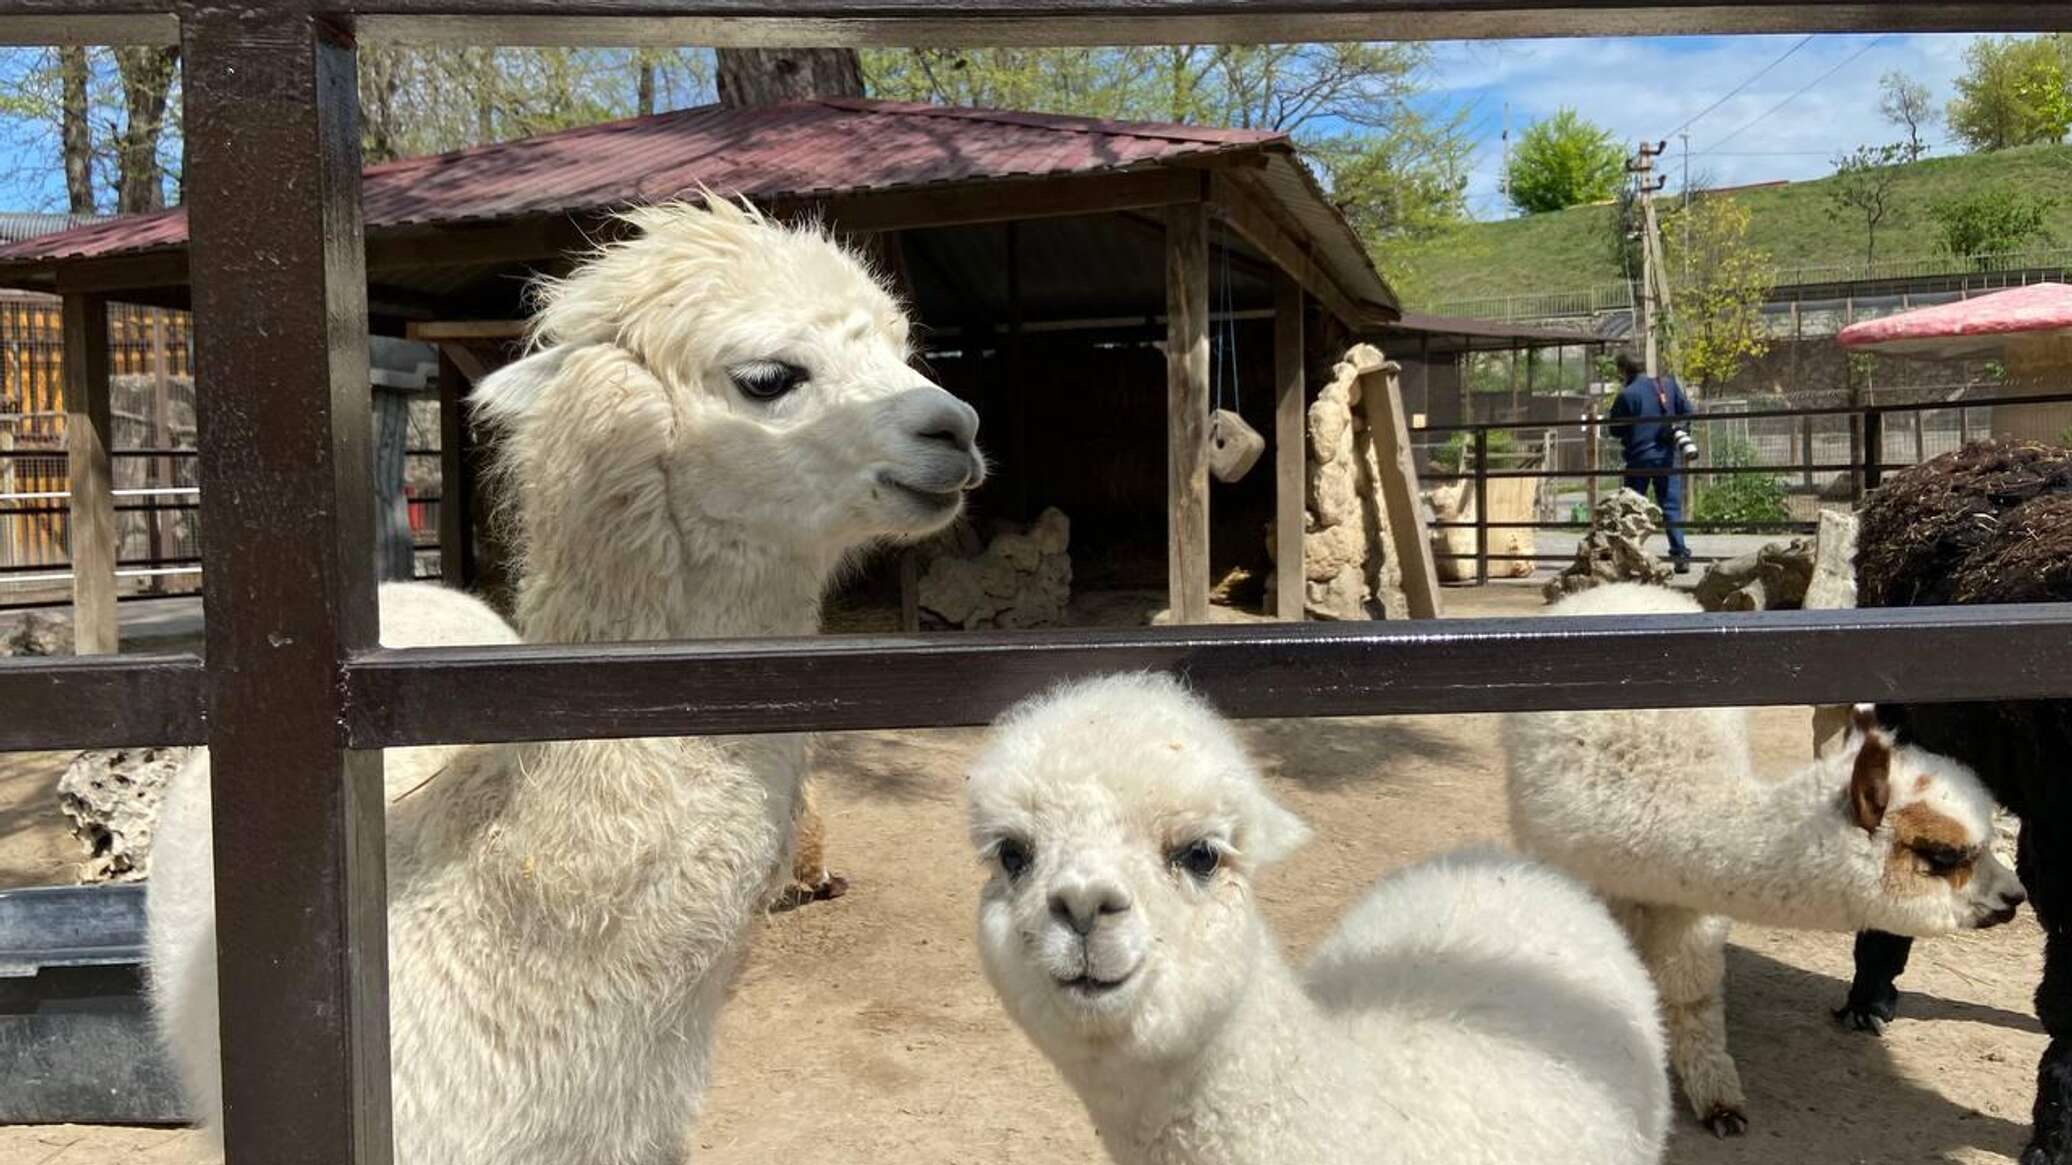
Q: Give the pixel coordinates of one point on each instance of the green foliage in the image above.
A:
(1992, 220)
(1459, 451)
(2065, 436)
(1740, 497)
(1564, 161)
(1862, 191)
(1397, 172)
(1715, 313)
(1570, 250)
(2014, 94)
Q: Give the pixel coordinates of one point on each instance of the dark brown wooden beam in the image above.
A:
(102, 701)
(1187, 412)
(1247, 214)
(92, 535)
(1250, 670)
(835, 23)
(1290, 450)
(1001, 201)
(280, 314)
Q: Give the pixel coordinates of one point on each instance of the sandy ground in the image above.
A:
(861, 1030)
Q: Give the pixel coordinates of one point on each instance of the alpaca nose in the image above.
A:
(1080, 903)
(938, 416)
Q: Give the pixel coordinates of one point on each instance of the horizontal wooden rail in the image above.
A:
(1040, 22)
(101, 701)
(1310, 669)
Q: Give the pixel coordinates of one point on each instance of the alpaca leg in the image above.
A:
(2050, 1141)
(1685, 952)
(810, 879)
(1874, 994)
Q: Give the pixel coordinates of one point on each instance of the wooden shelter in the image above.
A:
(1010, 234)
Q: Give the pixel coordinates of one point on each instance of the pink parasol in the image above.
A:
(2026, 327)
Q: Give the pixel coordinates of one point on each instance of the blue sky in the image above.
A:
(1650, 87)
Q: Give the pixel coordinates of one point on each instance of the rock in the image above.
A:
(35, 633)
(112, 797)
(1348, 570)
(1834, 563)
(1022, 578)
(1774, 578)
(1614, 548)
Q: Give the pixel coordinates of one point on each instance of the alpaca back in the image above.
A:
(1614, 796)
(180, 904)
(1496, 1000)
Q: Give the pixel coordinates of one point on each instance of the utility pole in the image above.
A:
(1686, 207)
(1654, 297)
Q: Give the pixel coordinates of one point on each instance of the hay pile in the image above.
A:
(1990, 523)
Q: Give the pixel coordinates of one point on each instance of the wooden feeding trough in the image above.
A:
(2028, 330)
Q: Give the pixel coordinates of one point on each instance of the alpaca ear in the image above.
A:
(1863, 719)
(1274, 834)
(514, 390)
(1870, 782)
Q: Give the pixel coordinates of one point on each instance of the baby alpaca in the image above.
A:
(1661, 811)
(1475, 1008)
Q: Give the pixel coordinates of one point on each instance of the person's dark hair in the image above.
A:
(1628, 367)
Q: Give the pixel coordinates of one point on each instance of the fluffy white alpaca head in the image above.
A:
(760, 368)
(1121, 822)
(1926, 836)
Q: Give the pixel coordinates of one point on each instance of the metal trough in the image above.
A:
(76, 1045)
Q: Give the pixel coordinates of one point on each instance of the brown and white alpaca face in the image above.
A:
(1120, 824)
(761, 368)
(1929, 824)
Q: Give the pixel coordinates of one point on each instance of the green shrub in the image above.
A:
(1740, 497)
(1458, 450)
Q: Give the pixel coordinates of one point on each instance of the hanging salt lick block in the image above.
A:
(1234, 446)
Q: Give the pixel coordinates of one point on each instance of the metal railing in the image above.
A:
(1865, 467)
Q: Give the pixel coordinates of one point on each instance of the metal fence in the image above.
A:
(1817, 457)
(295, 697)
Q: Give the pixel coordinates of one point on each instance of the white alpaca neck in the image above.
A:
(1223, 1098)
(1771, 852)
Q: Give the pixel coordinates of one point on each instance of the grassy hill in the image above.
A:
(1571, 250)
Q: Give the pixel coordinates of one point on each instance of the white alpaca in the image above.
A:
(1473, 1009)
(1661, 811)
(719, 411)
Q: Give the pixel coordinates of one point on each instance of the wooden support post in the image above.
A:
(456, 473)
(280, 317)
(1590, 455)
(1187, 412)
(1017, 382)
(160, 470)
(95, 540)
(1290, 450)
(1873, 448)
(1481, 506)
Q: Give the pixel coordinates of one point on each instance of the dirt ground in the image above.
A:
(861, 1030)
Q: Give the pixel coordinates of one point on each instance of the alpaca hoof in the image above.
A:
(1871, 1018)
(831, 887)
(1726, 1121)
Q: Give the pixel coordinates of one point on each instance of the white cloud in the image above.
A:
(1648, 88)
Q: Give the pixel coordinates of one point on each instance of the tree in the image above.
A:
(1992, 221)
(1861, 190)
(773, 76)
(107, 118)
(1715, 315)
(1564, 161)
(1907, 103)
(1395, 172)
(2014, 93)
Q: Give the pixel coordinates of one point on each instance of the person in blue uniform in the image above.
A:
(1648, 407)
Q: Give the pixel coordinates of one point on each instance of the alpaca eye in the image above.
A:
(1942, 860)
(1201, 860)
(766, 379)
(1014, 858)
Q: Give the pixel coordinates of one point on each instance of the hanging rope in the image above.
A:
(1225, 373)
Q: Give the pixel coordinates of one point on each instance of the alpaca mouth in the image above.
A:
(928, 499)
(1998, 917)
(1089, 987)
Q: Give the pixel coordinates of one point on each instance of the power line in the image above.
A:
(1808, 87)
(1736, 90)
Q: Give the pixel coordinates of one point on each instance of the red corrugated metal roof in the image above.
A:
(803, 148)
